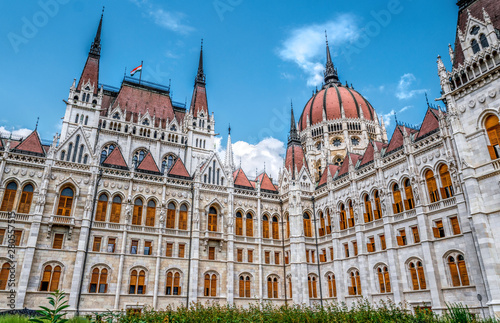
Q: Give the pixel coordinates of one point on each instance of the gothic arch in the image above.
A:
(485, 114)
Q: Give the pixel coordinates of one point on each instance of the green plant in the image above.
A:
(13, 319)
(56, 299)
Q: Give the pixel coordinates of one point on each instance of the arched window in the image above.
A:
(368, 209)
(332, 287)
(475, 46)
(409, 202)
(102, 206)
(350, 221)
(99, 281)
(239, 224)
(417, 275)
(212, 219)
(116, 208)
(276, 234)
(343, 218)
(167, 163)
(63, 153)
(8, 197)
(484, 41)
(137, 216)
(173, 283)
(384, 281)
(70, 149)
(307, 225)
(493, 131)
(50, 279)
(290, 290)
(65, 202)
(170, 216)
(265, 227)
(138, 157)
(322, 229)
(26, 198)
(329, 222)
(458, 270)
(210, 287)
(397, 207)
(446, 185)
(249, 225)
(378, 207)
(183, 215)
(244, 286)
(355, 283)
(4, 275)
(77, 116)
(80, 154)
(272, 287)
(431, 186)
(137, 282)
(312, 286)
(77, 142)
(151, 213)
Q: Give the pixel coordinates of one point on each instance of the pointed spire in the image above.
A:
(452, 53)
(229, 160)
(95, 48)
(293, 137)
(331, 75)
(200, 76)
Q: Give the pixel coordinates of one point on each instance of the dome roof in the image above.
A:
(333, 100)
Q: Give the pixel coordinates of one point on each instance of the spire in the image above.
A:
(229, 160)
(90, 71)
(293, 137)
(200, 76)
(95, 48)
(331, 75)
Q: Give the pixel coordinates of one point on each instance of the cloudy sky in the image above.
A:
(259, 56)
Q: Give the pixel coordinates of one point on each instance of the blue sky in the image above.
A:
(259, 55)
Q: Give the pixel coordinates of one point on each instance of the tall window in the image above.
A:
(26, 198)
(50, 279)
(417, 275)
(210, 286)
(137, 282)
(265, 227)
(99, 281)
(446, 186)
(8, 197)
(484, 41)
(350, 221)
(244, 286)
(307, 225)
(431, 186)
(384, 281)
(137, 216)
(4, 275)
(397, 207)
(167, 163)
(170, 216)
(458, 270)
(332, 287)
(475, 46)
(138, 157)
(150, 213)
(116, 208)
(409, 202)
(249, 225)
(183, 215)
(102, 206)
(276, 232)
(239, 224)
(329, 222)
(272, 287)
(355, 283)
(368, 209)
(312, 286)
(493, 131)
(65, 202)
(173, 283)
(212, 219)
(378, 207)
(343, 218)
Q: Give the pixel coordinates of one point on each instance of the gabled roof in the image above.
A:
(295, 159)
(179, 170)
(31, 145)
(241, 179)
(115, 160)
(397, 137)
(148, 165)
(265, 182)
(344, 168)
(324, 177)
(430, 123)
(368, 156)
(199, 101)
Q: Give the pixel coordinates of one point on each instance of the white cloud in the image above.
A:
(16, 133)
(403, 90)
(268, 152)
(306, 45)
(405, 108)
(388, 117)
(173, 21)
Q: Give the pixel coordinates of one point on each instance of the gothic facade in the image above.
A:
(130, 206)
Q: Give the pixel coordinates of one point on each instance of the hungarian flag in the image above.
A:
(135, 70)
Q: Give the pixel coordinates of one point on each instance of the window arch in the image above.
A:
(239, 224)
(484, 41)
(102, 206)
(210, 285)
(368, 209)
(332, 286)
(170, 215)
(212, 219)
(355, 283)
(244, 284)
(116, 208)
(26, 198)
(397, 207)
(322, 229)
(249, 225)
(173, 285)
(151, 213)
(9, 197)
(265, 227)
(307, 225)
(50, 278)
(272, 287)
(431, 186)
(343, 218)
(312, 285)
(65, 202)
(446, 184)
(378, 207)
(409, 202)
(137, 282)
(493, 130)
(4, 275)
(183, 215)
(384, 281)
(287, 217)
(276, 231)
(99, 281)
(137, 216)
(458, 270)
(417, 275)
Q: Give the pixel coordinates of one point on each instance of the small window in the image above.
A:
(484, 41)
(111, 245)
(211, 253)
(475, 46)
(58, 241)
(169, 252)
(148, 246)
(97, 244)
(134, 246)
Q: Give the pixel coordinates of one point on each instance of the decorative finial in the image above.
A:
(426, 99)
(396, 118)
(102, 13)
(36, 126)
(326, 37)
(229, 129)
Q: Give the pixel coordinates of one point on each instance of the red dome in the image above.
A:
(332, 99)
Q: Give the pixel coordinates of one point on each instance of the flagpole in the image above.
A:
(140, 75)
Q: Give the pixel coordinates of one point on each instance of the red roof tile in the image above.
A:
(31, 144)
(90, 72)
(265, 182)
(430, 123)
(294, 158)
(148, 164)
(199, 100)
(178, 169)
(368, 156)
(344, 168)
(115, 159)
(241, 179)
(397, 137)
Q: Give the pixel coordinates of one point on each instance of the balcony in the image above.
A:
(61, 220)
(18, 216)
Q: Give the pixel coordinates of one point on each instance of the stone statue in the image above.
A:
(128, 212)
